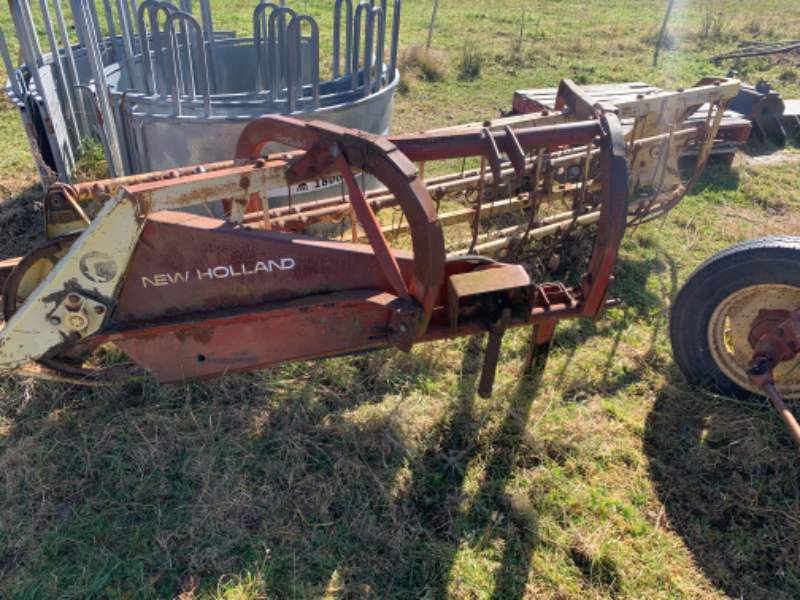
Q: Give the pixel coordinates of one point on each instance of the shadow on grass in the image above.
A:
(455, 518)
(147, 491)
(308, 477)
(727, 474)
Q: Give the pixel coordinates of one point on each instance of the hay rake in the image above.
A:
(189, 297)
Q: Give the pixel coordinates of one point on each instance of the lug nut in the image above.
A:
(99, 310)
(74, 336)
(55, 321)
(73, 298)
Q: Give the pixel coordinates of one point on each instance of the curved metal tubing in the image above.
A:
(154, 84)
(361, 8)
(391, 168)
(173, 60)
(337, 35)
(372, 83)
(395, 38)
(295, 83)
(259, 46)
(277, 49)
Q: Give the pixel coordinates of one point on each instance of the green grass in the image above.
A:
(385, 475)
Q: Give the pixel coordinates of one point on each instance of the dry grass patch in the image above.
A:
(426, 64)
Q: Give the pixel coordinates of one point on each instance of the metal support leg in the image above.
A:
(490, 359)
(539, 348)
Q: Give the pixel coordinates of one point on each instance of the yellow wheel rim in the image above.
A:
(729, 328)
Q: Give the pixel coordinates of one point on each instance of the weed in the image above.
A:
(469, 69)
(756, 28)
(714, 22)
(427, 64)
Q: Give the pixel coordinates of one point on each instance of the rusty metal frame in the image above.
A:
(414, 306)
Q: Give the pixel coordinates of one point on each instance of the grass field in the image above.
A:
(385, 475)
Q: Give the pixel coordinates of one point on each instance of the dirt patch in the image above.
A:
(773, 158)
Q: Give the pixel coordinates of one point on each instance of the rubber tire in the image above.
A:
(767, 260)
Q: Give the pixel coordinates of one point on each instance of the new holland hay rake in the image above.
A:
(189, 297)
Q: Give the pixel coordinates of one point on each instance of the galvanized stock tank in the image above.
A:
(177, 93)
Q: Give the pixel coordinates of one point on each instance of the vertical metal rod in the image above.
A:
(363, 7)
(433, 22)
(116, 48)
(477, 221)
(26, 47)
(153, 69)
(492, 356)
(74, 9)
(72, 70)
(368, 49)
(210, 45)
(159, 38)
(337, 34)
(127, 41)
(173, 57)
(27, 17)
(395, 40)
(379, 51)
(125, 26)
(63, 82)
(123, 18)
(158, 53)
(260, 38)
(172, 68)
(134, 6)
(661, 33)
(276, 53)
(9, 64)
(264, 197)
(587, 161)
(101, 46)
(184, 52)
(113, 157)
(295, 83)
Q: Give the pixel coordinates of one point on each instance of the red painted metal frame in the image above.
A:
(369, 296)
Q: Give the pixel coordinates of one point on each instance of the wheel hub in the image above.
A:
(738, 324)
